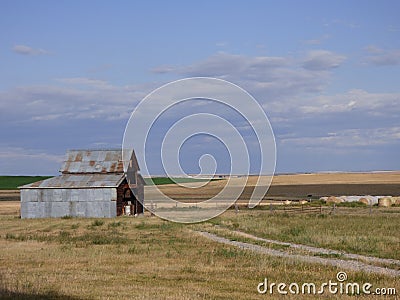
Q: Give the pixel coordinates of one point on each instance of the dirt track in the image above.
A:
(352, 261)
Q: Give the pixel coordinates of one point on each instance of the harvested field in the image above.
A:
(298, 186)
(292, 187)
(9, 195)
(339, 178)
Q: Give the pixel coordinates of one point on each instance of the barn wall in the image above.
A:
(54, 203)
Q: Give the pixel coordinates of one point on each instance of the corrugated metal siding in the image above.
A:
(78, 181)
(54, 203)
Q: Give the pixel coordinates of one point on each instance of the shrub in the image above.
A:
(132, 250)
(114, 224)
(97, 223)
(351, 204)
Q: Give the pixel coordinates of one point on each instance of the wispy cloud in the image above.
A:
(221, 44)
(380, 57)
(317, 41)
(22, 153)
(304, 116)
(270, 77)
(319, 60)
(77, 98)
(223, 64)
(26, 50)
(25, 161)
(89, 82)
(283, 86)
(343, 23)
(348, 138)
(163, 69)
(356, 100)
(294, 97)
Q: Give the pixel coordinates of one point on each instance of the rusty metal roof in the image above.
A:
(78, 181)
(93, 161)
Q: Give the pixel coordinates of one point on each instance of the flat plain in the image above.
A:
(149, 258)
(299, 186)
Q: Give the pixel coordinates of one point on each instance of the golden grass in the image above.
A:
(9, 208)
(142, 258)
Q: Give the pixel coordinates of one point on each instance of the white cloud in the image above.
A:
(354, 100)
(270, 78)
(26, 50)
(282, 87)
(320, 60)
(380, 57)
(344, 23)
(294, 97)
(348, 138)
(22, 153)
(23, 161)
(79, 98)
(83, 81)
(224, 64)
(317, 41)
(163, 69)
(221, 44)
(280, 84)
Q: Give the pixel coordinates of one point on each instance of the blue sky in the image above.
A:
(327, 73)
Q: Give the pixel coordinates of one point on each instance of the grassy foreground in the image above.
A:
(350, 230)
(148, 258)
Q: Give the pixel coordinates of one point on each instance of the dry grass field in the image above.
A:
(148, 258)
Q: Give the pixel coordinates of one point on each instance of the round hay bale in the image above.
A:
(364, 200)
(385, 202)
(396, 200)
(303, 202)
(350, 198)
(372, 199)
(333, 199)
(287, 202)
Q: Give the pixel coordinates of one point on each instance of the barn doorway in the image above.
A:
(127, 203)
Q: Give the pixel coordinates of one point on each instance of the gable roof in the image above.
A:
(95, 162)
(67, 181)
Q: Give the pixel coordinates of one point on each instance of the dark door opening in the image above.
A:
(127, 204)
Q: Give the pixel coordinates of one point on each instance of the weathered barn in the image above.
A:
(92, 184)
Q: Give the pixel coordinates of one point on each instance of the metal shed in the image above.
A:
(92, 184)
